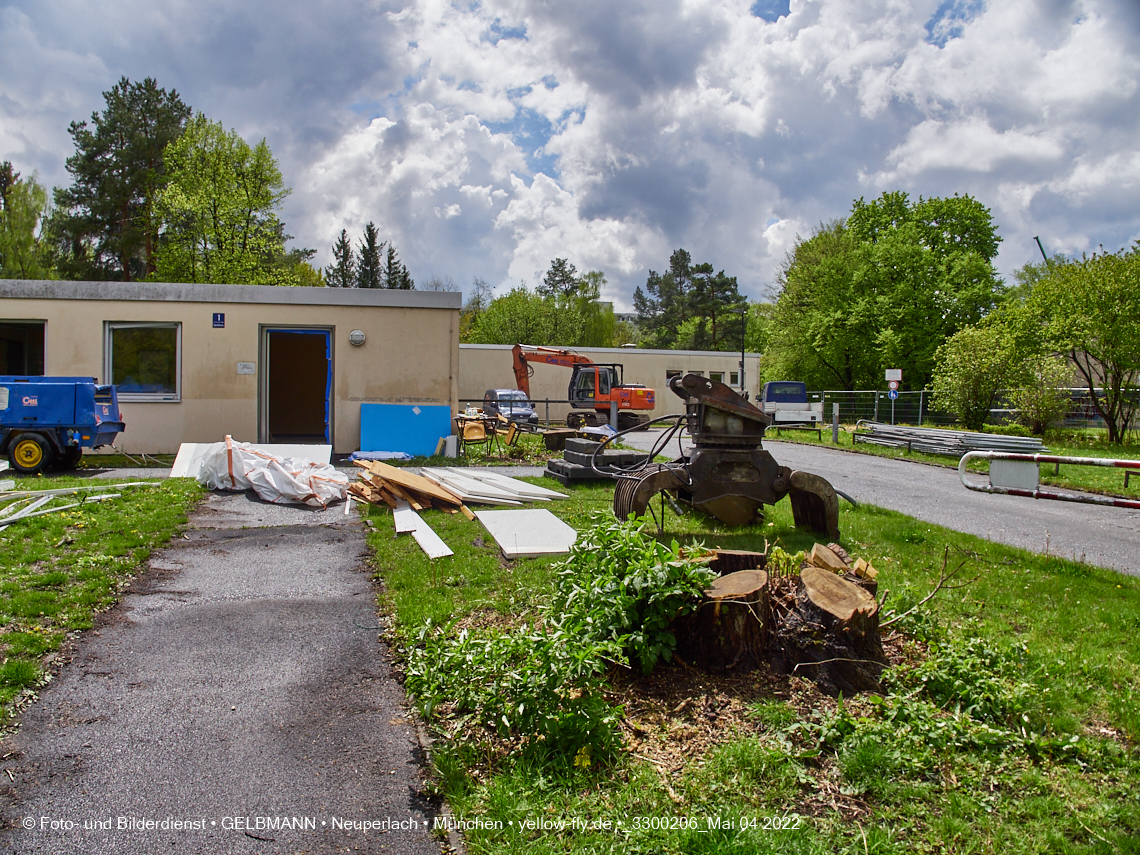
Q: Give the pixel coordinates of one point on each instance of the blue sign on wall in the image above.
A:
(219, 320)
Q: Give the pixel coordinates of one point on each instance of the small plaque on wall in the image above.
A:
(247, 368)
(219, 320)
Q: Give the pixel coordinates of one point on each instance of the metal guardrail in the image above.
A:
(1012, 482)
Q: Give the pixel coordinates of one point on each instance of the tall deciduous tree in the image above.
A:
(520, 316)
(1090, 312)
(219, 210)
(108, 224)
(22, 207)
(342, 272)
(883, 290)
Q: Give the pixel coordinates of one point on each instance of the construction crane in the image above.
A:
(593, 387)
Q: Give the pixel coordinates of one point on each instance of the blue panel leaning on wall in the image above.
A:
(412, 428)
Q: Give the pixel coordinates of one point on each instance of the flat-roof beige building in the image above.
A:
(490, 366)
(266, 364)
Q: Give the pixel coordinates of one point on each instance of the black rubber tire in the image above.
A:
(29, 453)
(70, 457)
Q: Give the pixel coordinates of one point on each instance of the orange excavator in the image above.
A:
(593, 387)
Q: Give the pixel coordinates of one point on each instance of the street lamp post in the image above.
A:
(743, 328)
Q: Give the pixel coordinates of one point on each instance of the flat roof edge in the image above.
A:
(185, 292)
(620, 350)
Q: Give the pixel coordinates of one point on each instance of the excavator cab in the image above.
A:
(590, 383)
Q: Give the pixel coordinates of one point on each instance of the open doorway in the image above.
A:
(22, 347)
(297, 385)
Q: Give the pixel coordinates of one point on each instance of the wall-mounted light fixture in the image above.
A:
(356, 338)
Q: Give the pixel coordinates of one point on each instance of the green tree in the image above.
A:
(369, 266)
(395, 274)
(518, 317)
(971, 367)
(22, 207)
(1089, 312)
(107, 222)
(219, 211)
(883, 290)
(478, 300)
(821, 330)
(342, 272)
(596, 322)
(560, 281)
(688, 306)
(1042, 396)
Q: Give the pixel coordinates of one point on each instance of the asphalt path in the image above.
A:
(1107, 537)
(237, 700)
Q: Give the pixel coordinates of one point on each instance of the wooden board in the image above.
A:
(408, 480)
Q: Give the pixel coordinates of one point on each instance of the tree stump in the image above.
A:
(730, 627)
(830, 634)
(731, 560)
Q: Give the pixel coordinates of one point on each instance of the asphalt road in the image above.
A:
(1108, 537)
(239, 686)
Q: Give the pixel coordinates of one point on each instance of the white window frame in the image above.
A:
(109, 328)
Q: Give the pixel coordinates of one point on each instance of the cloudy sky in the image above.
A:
(486, 138)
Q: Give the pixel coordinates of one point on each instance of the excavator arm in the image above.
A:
(522, 354)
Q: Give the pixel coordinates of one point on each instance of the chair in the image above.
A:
(475, 431)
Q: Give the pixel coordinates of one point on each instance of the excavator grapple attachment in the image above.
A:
(727, 474)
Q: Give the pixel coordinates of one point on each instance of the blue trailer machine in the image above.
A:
(47, 421)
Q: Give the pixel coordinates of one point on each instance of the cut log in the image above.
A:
(826, 557)
(831, 634)
(731, 560)
(730, 628)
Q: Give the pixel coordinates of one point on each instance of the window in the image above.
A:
(733, 378)
(144, 360)
(22, 347)
(718, 376)
(670, 373)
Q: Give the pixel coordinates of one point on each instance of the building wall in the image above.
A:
(489, 366)
(411, 354)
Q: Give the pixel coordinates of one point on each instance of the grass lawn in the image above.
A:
(1009, 722)
(59, 570)
(1090, 443)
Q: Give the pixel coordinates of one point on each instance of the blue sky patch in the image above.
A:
(771, 10)
(530, 131)
(497, 32)
(949, 20)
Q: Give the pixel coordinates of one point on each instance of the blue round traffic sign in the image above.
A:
(894, 393)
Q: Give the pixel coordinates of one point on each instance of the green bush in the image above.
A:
(622, 585)
(614, 600)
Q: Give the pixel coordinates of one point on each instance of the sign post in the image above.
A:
(893, 378)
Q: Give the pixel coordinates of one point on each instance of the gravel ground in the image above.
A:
(239, 686)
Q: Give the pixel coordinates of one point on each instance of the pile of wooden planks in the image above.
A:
(388, 485)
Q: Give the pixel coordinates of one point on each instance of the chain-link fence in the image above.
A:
(914, 408)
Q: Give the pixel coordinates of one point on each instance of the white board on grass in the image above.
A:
(504, 482)
(528, 532)
(190, 454)
(407, 520)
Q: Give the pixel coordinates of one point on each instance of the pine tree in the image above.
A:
(395, 274)
(342, 273)
(369, 270)
(107, 223)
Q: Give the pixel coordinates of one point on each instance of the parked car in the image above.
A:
(786, 401)
(511, 404)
